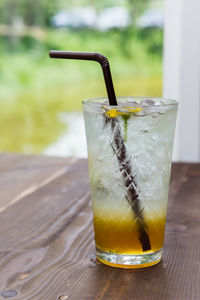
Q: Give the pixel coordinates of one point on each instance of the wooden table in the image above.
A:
(46, 236)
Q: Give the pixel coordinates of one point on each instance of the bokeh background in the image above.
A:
(40, 98)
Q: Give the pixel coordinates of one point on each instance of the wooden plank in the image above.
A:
(47, 248)
(46, 231)
(22, 175)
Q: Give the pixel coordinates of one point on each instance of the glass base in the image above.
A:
(129, 261)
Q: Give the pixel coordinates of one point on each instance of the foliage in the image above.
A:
(39, 12)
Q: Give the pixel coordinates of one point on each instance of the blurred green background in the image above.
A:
(34, 89)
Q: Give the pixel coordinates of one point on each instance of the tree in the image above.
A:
(137, 7)
(32, 13)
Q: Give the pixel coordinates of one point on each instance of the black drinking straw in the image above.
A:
(117, 143)
(94, 57)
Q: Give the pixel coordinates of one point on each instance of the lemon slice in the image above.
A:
(113, 113)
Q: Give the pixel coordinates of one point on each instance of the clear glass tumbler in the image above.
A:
(129, 154)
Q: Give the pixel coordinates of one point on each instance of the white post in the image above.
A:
(182, 73)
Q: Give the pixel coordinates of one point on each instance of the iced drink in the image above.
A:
(129, 154)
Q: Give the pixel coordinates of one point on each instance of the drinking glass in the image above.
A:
(129, 155)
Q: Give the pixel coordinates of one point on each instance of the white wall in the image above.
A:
(182, 73)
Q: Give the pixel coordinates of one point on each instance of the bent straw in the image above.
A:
(117, 144)
(94, 57)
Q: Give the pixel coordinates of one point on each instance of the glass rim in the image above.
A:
(171, 102)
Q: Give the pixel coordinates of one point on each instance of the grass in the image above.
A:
(34, 88)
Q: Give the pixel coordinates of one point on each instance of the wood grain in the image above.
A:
(46, 237)
(21, 175)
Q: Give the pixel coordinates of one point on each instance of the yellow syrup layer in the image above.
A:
(121, 235)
